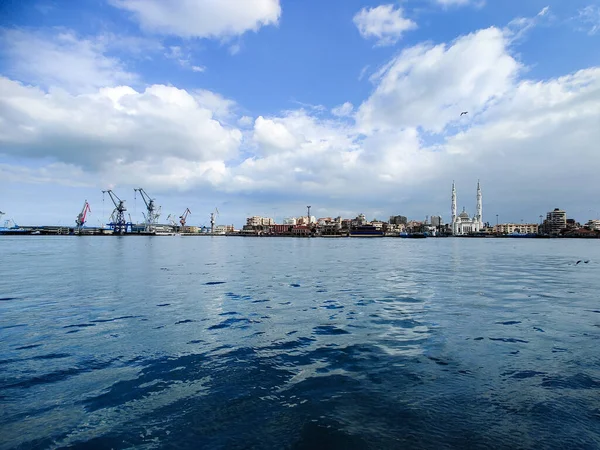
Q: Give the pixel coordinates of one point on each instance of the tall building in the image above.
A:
(556, 221)
(463, 224)
(436, 221)
(398, 220)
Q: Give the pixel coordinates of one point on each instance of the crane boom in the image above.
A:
(118, 223)
(183, 217)
(153, 213)
(81, 218)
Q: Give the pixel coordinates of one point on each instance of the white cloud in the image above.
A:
(384, 23)
(428, 86)
(221, 107)
(589, 17)
(113, 127)
(273, 136)
(245, 121)
(343, 110)
(183, 58)
(62, 59)
(202, 18)
(517, 28)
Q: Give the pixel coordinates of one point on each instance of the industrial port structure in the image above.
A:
(120, 223)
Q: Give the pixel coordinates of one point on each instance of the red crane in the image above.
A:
(183, 217)
(80, 221)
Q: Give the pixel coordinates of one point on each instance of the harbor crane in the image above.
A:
(213, 214)
(152, 213)
(171, 220)
(80, 221)
(118, 223)
(183, 218)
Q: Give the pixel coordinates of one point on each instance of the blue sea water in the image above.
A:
(231, 343)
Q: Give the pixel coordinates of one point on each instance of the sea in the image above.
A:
(287, 343)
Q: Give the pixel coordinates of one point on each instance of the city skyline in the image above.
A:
(261, 107)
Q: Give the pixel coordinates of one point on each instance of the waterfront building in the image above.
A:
(555, 222)
(258, 221)
(463, 224)
(593, 224)
(304, 220)
(289, 221)
(516, 228)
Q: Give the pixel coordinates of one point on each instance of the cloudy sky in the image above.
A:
(261, 107)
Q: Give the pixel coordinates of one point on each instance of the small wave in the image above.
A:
(26, 347)
(80, 325)
(184, 321)
(509, 322)
(578, 381)
(510, 340)
(6, 299)
(212, 283)
(329, 330)
(113, 319)
(52, 356)
(228, 323)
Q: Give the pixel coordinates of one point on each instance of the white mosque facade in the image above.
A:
(463, 224)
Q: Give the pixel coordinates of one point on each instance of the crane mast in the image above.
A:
(183, 218)
(152, 212)
(118, 223)
(212, 219)
(81, 218)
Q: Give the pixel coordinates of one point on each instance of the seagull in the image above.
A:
(463, 113)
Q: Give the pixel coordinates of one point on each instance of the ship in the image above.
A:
(366, 231)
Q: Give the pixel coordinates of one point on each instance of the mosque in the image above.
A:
(463, 224)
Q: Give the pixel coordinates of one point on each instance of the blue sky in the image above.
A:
(264, 106)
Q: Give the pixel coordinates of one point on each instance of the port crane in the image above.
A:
(213, 214)
(152, 212)
(80, 221)
(171, 220)
(183, 218)
(118, 223)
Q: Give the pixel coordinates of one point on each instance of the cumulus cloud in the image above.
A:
(62, 59)
(428, 86)
(112, 127)
(202, 18)
(384, 23)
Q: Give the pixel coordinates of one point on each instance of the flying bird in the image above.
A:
(463, 113)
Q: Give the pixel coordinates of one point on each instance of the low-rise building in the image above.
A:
(516, 228)
(301, 230)
(593, 224)
(258, 221)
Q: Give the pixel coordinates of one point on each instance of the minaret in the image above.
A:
(479, 207)
(453, 208)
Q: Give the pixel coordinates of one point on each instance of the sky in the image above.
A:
(262, 107)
